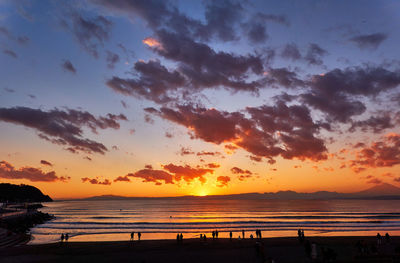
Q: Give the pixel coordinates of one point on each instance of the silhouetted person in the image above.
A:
(230, 236)
(251, 236)
(379, 238)
(216, 234)
(66, 237)
(181, 237)
(177, 238)
(213, 234)
(62, 237)
(139, 235)
(204, 237)
(201, 236)
(243, 234)
(132, 235)
(259, 234)
(387, 238)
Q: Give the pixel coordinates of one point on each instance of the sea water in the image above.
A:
(114, 220)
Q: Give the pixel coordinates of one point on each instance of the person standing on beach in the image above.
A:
(181, 237)
(243, 234)
(66, 237)
(139, 235)
(62, 237)
(216, 234)
(230, 236)
(132, 235)
(379, 238)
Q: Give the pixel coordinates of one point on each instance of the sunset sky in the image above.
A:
(170, 98)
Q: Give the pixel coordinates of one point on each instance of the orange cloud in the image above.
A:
(152, 42)
(237, 170)
(223, 181)
(187, 173)
(8, 171)
(383, 153)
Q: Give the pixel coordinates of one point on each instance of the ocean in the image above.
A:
(113, 220)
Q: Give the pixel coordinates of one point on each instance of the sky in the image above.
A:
(172, 98)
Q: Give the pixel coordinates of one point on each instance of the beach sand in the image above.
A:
(193, 250)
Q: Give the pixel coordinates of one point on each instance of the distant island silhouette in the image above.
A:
(382, 191)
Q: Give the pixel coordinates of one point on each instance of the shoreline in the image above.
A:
(281, 249)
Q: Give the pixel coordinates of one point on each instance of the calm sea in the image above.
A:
(163, 219)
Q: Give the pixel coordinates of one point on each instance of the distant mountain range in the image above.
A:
(381, 191)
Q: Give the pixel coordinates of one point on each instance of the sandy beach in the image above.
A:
(193, 250)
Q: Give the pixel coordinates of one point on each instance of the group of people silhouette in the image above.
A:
(139, 234)
(300, 235)
(64, 237)
(214, 234)
(179, 238)
(379, 238)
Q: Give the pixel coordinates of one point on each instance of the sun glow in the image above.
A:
(202, 192)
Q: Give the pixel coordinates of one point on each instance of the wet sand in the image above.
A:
(281, 250)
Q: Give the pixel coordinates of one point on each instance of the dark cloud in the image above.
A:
(256, 27)
(44, 162)
(90, 33)
(244, 177)
(223, 181)
(63, 127)
(314, 54)
(8, 171)
(170, 174)
(9, 90)
(23, 40)
(10, 53)
(206, 68)
(271, 131)
(334, 92)
(255, 158)
(19, 39)
(221, 17)
(154, 82)
(374, 181)
(122, 179)
(67, 65)
(283, 77)
(124, 104)
(384, 153)
(96, 181)
(291, 51)
(112, 58)
(376, 124)
(369, 41)
(155, 176)
(237, 170)
(185, 151)
(202, 153)
(87, 158)
(213, 165)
